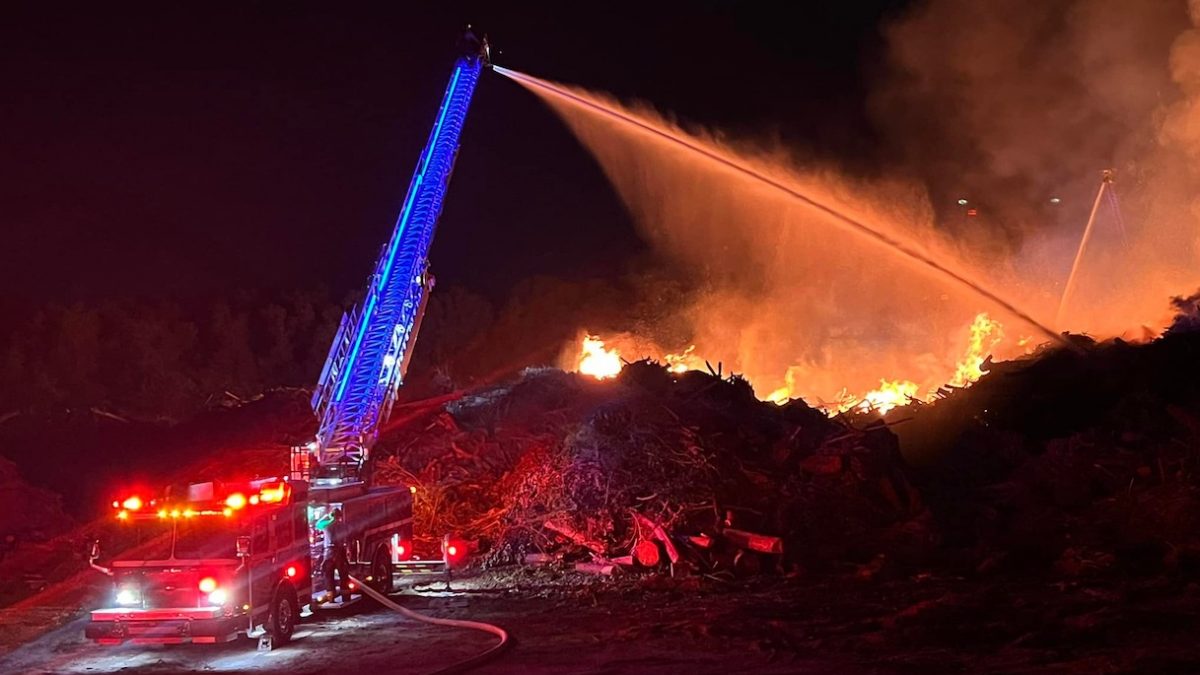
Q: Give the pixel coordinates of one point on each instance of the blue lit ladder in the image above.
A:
(370, 352)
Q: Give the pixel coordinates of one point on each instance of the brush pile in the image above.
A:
(1063, 462)
(654, 470)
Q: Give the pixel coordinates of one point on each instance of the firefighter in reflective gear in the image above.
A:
(334, 557)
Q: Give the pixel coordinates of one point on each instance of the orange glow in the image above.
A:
(123, 515)
(275, 494)
(236, 501)
(162, 513)
(597, 361)
(227, 511)
(984, 335)
(208, 585)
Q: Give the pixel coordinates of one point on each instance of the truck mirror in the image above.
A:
(243, 547)
(93, 550)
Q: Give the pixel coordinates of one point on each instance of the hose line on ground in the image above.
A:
(461, 666)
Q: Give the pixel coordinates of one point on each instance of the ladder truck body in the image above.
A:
(208, 561)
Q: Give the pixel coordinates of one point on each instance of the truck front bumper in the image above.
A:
(163, 626)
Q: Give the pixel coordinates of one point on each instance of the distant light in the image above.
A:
(962, 202)
(1055, 200)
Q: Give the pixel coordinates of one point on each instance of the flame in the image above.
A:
(682, 362)
(597, 361)
(986, 333)
(595, 358)
(890, 394)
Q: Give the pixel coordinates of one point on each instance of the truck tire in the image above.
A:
(381, 571)
(281, 620)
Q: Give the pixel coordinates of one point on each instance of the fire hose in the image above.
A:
(461, 666)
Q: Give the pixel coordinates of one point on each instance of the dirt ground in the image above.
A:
(912, 625)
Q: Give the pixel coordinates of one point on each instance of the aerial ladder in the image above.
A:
(371, 350)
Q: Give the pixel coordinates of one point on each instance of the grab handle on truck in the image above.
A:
(93, 554)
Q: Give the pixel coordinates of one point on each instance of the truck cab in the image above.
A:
(209, 562)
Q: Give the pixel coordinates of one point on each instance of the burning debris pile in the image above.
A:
(1059, 460)
(673, 471)
(603, 359)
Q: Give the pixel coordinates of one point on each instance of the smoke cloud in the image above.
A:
(1016, 107)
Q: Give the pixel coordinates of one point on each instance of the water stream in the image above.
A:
(890, 243)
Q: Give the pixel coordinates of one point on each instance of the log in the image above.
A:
(658, 533)
(602, 569)
(701, 541)
(751, 541)
(646, 553)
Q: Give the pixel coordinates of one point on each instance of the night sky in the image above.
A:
(193, 149)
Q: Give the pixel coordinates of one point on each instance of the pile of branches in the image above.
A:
(1063, 462)
(653, 470)
(1070, 463)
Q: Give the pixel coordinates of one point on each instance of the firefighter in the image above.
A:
(334, 557)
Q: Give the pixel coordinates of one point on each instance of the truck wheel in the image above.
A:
(381, 572)
(283, 616)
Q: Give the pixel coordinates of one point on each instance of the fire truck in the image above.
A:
(210, 560)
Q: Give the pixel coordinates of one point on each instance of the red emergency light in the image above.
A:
(455, 551)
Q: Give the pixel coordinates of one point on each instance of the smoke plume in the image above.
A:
(1015, 107)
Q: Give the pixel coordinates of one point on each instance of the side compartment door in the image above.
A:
(261, 564)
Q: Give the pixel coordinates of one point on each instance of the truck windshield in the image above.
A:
(205, 537)
(202, 537)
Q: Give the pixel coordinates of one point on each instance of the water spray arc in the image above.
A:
(853, 225)
(1106, 188)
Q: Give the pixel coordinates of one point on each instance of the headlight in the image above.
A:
(129, 596)
(217, 597)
